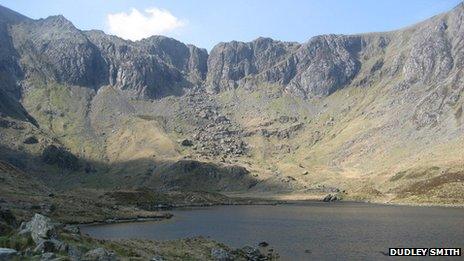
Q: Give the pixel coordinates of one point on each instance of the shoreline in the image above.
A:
(166, 215)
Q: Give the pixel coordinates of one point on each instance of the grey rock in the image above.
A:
(73, 229)
(186, 143)
(330, 198)
(221, 254)
(157, 258)
(40, 228)
(252, 253)
(100, 254)
(74, 253)
(52, 245)
(31, 140)
(7, 254)
(48, 256)
(230, 63)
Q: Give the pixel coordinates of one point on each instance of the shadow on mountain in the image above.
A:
(60, 169)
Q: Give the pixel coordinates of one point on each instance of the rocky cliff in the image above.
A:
(377, 115)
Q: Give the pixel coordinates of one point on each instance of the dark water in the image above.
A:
(340, 231)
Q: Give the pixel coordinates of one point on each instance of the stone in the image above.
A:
(330, 198)
(48, 256)
(263, 244)
(52, 245)
(7, 254)
(186, 143)
(252, 253)
(99, 254)
(73, 229)
(327, 198)
(220, 254)
(157, 258)
(31, 140)
(40, 227)
(74, 253)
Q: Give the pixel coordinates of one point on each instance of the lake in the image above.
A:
(329, 231)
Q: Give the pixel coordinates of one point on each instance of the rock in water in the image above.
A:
(327, 198)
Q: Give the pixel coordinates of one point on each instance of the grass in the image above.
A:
(19, 243)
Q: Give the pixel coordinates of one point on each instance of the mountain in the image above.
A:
(376, 116)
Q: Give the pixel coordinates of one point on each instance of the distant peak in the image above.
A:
(263, 39)
(58, 20)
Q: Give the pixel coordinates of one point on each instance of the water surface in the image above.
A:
(330, 231)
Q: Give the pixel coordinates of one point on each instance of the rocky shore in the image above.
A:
(42, 238)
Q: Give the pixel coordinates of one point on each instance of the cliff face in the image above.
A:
(427, 53)
(53, 50)
(377, 114)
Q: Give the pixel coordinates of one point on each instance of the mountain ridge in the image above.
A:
(377, 115)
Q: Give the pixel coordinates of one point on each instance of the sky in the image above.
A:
(205, 23)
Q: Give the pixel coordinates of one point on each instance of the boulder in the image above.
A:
(73, 229)
(187, 143)
(74, 253)
(48, 256)
(221, 254)
(252, 253)
(52, 245)
(157, 258)
(330, 198)
(40, 228)
(327, 198)
(99, 254)
(31, 140)
(7, 254)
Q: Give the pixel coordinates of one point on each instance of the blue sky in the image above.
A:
(207, 22)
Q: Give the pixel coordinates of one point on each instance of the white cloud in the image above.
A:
(137, 25)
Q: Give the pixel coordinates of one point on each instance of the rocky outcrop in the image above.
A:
(64, 159)
(150, 68)
(40, 228)
(99, 254)
(193, 175)
(220, 254)
(325, 64)
(317, 68)
(53, 50)
(230, 63)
